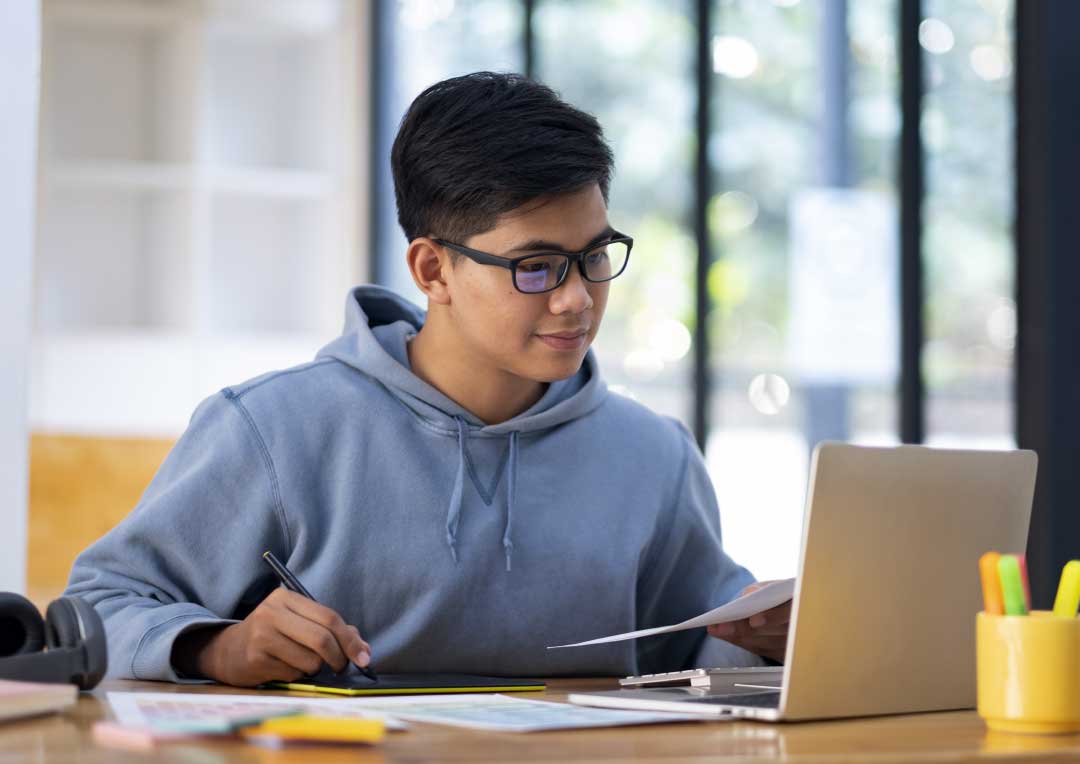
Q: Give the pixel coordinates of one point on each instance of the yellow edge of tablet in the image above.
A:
(407, 691)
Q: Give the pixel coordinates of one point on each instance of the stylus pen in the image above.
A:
(292, 583)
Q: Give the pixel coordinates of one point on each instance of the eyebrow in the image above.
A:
(536, 244)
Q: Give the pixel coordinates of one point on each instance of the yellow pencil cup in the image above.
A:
(1028, 672)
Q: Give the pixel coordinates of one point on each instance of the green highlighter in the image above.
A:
(1012, 585)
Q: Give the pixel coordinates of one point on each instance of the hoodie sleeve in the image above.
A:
(686, 572)
(188, 555)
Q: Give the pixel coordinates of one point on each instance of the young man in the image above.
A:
(457, 486)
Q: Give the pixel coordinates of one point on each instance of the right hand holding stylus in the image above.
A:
(286, 637)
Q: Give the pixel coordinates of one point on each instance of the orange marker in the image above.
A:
(993, 600)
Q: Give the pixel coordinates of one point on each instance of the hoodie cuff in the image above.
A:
(153, 657)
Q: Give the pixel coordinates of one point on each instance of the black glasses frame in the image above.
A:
(511, 264)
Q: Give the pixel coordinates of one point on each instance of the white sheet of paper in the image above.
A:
(132, 707)
(768, 596)
(501, 713)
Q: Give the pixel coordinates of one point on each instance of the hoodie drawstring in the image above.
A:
(511, 479)
(453, 513)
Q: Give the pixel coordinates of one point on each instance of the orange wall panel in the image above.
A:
(80, 487)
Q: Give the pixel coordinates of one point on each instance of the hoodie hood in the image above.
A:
(378, 325)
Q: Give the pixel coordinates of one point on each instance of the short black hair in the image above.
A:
(472, 148)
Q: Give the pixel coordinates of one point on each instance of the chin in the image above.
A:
(554, 371)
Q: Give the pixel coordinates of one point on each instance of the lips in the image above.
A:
(571, 340)
(567, 335)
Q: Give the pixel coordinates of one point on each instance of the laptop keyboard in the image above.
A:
(755, 700)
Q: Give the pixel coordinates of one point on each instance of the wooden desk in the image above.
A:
(946, 737)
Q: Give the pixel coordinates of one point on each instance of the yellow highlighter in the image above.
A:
(1068, 593)
(993, 603)
(325, 729)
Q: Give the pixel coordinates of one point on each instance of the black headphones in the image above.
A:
(68, 646)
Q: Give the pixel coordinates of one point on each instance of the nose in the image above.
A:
(573, 295)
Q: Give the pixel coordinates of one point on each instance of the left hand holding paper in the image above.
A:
(763, 633)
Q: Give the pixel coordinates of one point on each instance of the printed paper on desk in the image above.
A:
(768, 596)
(141, 709)
(501, 713)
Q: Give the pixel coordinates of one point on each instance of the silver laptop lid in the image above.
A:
(883, 619)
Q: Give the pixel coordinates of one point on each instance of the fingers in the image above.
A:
(751, 588)
(767, 623)
(254, 651)
(264, 668)
(324, 631)
(754, 587)
(768, 647)
(772, 644)
(742, 630)
(758, 640)
(312, 638)
(292, 655)
(777, 616)
(287, 636)
(781, 614)
(276, 670)
(362, 651)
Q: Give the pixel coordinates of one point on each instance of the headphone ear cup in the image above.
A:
(71, 623)
(21, 628)
(97, 652)
(61, 625)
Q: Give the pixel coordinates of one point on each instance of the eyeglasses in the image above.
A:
(545, 271)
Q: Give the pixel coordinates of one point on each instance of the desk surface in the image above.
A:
(948, 737)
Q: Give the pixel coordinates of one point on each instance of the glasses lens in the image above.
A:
(540, 273)
(606, 262)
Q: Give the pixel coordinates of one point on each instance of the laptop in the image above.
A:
(883, 617)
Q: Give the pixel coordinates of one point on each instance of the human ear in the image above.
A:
(429, 264)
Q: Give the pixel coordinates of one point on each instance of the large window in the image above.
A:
(627, 62)
(803, 223)
(802, 205)
(967, 137)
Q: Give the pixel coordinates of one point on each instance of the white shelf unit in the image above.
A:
(201, 201)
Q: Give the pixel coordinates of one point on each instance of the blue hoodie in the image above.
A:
(452, 545)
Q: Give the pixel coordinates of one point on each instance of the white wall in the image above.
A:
(20, 46)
